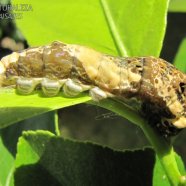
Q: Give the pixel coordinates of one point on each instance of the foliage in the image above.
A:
(119, 28)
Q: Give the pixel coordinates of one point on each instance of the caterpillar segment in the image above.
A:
(149, 85)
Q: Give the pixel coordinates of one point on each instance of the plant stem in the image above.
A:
(57, 130)
(166, 155)
(162, 147)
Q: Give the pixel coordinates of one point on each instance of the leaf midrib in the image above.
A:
(113, 29)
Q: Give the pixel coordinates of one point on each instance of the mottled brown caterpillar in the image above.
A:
(151, 85)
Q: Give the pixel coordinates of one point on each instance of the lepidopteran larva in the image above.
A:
(151, 85)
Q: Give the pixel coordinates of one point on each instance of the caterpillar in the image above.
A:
(150, 85)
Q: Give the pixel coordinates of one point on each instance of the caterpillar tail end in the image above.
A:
(2, 73)
(8, 69)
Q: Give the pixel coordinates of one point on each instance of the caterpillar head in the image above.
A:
(163, 95)
(179, 105)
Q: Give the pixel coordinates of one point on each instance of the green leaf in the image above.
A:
(109, 25)
(10, 134)
(137, 28)
(6, 166)
(177, 6)
(44, 159)
(9, 138)
(70, 21)
(159, 175)
(14, 108)
(180, 59)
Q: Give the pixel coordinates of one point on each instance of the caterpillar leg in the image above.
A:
(72, 88)
(97, 94)
(51, 87)
(26, 85)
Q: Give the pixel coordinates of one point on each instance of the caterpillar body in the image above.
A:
(151, 85)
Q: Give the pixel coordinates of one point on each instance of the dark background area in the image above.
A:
(175, 32)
